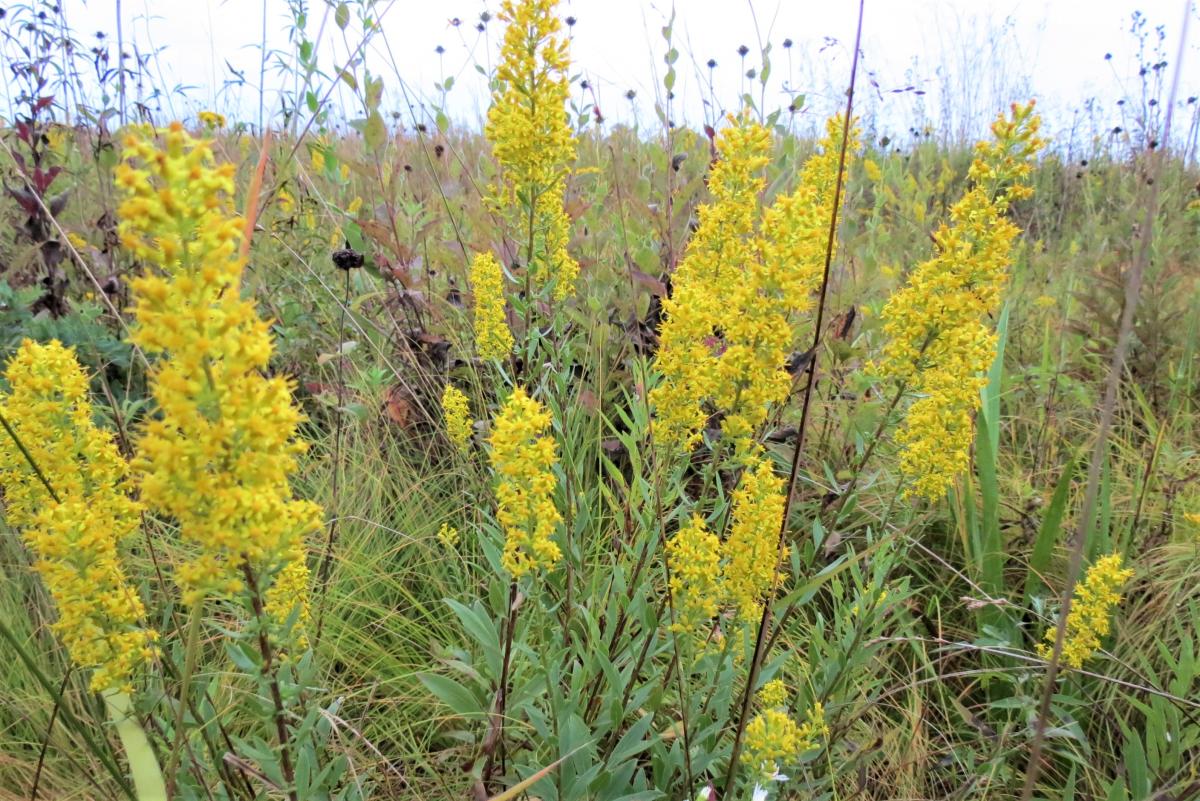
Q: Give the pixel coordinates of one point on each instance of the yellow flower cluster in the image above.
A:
(752, 549)
(457, 412)
(747, 274)
(1091, 608)
(528, 128)
(493, 340)
(212, 120)
(773, 693)
(218, 456)
(939, 338)
(523, 456)
(448, 535)
(694, 557)
(772, 737)
(73, 534)
(795, 228)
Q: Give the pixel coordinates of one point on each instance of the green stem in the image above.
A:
(189, 668)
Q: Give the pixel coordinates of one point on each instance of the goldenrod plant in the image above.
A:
(940, 324)
(741, 291)
(530, 138)
(218, 457)
(1090, 618)
(66, 489)
(523, 456)
(493, 339)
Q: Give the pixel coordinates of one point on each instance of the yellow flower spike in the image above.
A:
(74, 534)
(873, 171)
(219, 455)
(523, 457)
(746, 277)
(694, 556)
(939, 338)
(457, 412)
(493, 340)
(528, 128)
(751, 551)
(1089, 620)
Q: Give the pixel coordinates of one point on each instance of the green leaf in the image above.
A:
(374, 92)
(1049, 533)
(633, 741)
(374, 132)
(1135, 766)
(481, 629)
(143, 764)
(461, 700)
(342, 15)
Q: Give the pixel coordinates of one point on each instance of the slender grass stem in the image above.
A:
(69, 718)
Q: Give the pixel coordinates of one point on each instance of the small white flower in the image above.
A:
(760, 793)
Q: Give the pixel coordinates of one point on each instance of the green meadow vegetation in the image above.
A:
(557, 458)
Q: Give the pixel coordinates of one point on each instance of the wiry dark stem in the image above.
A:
(28, 458)
(764, 624)
(502, 691)
(270, 673)
(335, 487)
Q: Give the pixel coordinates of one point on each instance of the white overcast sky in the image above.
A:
(968, 55)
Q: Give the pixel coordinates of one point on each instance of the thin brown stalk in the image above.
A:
(502, 691)
(335, 481)
(1133, 288)
(37, 773)
(764, 624)
(270, 673)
